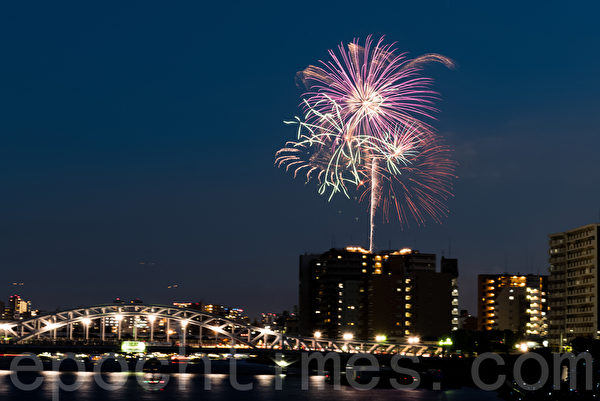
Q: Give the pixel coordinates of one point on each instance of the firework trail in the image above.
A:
(363, 128)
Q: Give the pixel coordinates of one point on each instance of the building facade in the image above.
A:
(573, 285)
(18, 309)
(518, 303)
(394, 294)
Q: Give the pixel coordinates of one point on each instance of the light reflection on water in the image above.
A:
(188, 386)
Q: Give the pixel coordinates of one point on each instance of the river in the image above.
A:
(192, 387)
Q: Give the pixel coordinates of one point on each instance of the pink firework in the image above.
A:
(375, 88)
(365, 124)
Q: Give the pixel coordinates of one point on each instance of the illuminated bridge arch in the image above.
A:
(162, 324)
(137, 321)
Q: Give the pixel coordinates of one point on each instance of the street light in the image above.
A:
(86, 322)
(380, 338)
(151, 319)
(119, 317)
(317, 334)
(184, 324)
(348, 336)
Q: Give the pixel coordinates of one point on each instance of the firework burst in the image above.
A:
(363, 129)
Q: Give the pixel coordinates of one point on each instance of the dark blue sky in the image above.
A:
(145, 131)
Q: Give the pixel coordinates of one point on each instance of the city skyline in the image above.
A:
(138, 151)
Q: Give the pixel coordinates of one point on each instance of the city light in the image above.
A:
(119, 317)
(86, 321)
(447, 341)
(151, 318)
(348, 336)
(317, 334)
(414, 340)
(380, 338)
(184, 323)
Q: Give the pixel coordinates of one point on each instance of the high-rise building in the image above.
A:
(269, 319)
(390, 293)
(573, 285)
(333, 292)
(18, 308)
(450, 266)
(513, 302)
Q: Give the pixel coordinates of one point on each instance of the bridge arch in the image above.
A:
(49, 326)
(178, 320)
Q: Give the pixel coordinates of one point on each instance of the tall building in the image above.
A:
(573, 285)
(268, 319)
(450, 266)
(391, 293)
(333, 292)
(513, 302)
(18, 308)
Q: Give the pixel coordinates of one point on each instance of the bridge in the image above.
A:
(168, 325)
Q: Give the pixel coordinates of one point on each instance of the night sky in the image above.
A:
(138, 140)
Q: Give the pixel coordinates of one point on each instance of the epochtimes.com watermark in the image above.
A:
(360, 371)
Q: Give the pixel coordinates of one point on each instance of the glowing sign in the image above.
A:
(133, 346)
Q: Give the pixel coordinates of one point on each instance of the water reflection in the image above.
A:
(186, 386)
